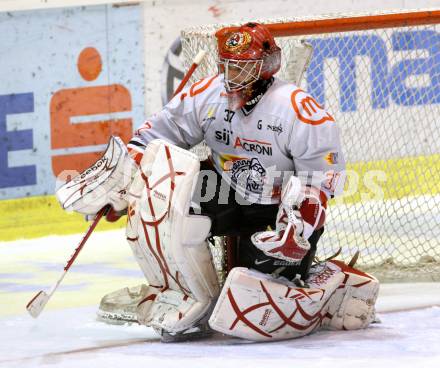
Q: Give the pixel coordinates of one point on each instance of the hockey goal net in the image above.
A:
(379, 76)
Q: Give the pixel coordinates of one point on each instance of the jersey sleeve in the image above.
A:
(178, 122)
(315, 146)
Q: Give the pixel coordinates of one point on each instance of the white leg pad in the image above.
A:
(255, 306)
(168, 243)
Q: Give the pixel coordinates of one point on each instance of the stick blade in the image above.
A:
(37, 304)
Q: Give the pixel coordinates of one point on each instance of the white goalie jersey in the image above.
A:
(286, 133)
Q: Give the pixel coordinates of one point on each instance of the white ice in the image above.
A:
(68, 335)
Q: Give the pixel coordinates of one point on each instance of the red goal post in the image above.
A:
(351, 23)
(379, 76)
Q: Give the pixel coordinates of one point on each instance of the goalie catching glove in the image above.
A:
(301, 213)
(106, 182)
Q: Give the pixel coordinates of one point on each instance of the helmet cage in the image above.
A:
(246, 73)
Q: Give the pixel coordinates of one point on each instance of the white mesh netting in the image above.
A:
(383, 88)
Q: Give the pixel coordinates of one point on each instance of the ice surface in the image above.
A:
(68, 335)
(72, 338)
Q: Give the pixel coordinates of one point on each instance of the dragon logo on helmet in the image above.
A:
(238, 42)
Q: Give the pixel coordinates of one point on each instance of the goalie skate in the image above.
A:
(119, 307)
(199, 331)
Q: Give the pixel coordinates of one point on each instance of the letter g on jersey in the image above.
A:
(308, 110)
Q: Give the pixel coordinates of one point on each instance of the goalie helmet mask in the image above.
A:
(247, 54)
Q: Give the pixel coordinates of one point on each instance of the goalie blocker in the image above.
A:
(170, 247)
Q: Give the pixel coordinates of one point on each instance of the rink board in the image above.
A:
(42, 215)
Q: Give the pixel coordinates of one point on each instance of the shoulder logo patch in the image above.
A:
(308, 110)
(332, 158)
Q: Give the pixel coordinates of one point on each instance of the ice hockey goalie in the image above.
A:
(275, 161)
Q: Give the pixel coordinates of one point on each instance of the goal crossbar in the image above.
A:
(354, 23)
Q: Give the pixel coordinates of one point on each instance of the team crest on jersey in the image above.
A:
(249, 174)
(238, 42)
(308, 110)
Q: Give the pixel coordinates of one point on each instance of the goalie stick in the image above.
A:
(39, 301)
(196, 62)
